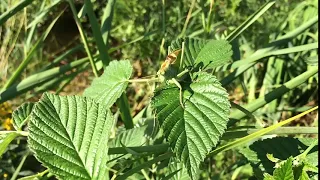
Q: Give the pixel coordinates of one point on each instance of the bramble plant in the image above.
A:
(190, 117)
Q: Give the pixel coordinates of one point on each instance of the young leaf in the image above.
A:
(192, 47)
(194, 130)
(215, 53)
(107, 88)
(284, 172)
(69, 135)
(20, 115)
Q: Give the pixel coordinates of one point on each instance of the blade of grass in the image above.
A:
(112, 49)
(6, 138)
(62, 57)
(37, 79)
(71, 77)
(97, 33)
(83, 37)
(234, 34)
(276, 93)
(56, 81)
(125, 114)
(43, 12)
(14, 10)
(279, 131)
(252, 59)
(187, 19)
(26, 61)
(259, 53)
(106, 20)
(257, 134)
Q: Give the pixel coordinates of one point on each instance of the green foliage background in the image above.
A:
(45, 36)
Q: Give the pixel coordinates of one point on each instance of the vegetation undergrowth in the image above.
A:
(226, 102)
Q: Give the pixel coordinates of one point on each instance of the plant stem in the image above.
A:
(159, 148)
(22, 133)
(144, 80)
(16, 172)
(83, 37)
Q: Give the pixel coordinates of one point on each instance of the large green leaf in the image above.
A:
(107, 88)
(215, 53)
(21, 114)
(192, 47)
(194, 130)
(69, 135)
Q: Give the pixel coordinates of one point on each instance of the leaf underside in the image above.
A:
(192, 132)
(20, 115)
(192, 47)
(215, 53)
(69, 135)
(107, 88)
(203, 54)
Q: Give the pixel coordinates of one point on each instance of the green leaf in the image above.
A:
(131, 137)
(279, 147)
(69, 135)
(176, 171)
(192, 47)
(267, 177)
(21, 114)
(300, 173)
(193, 131)
(284, 172)
(5, 140)
(215, 53)
(107, 88)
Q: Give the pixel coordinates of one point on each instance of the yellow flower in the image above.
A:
(7, 124)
